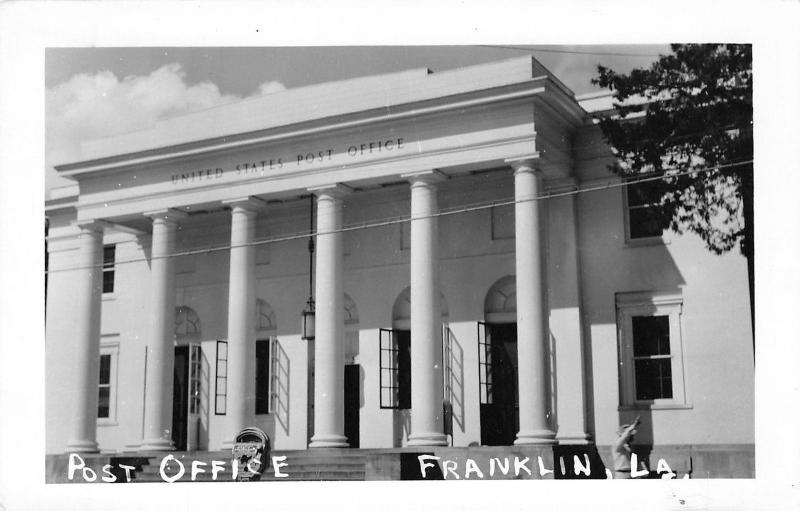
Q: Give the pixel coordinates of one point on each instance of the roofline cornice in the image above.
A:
(507, 93)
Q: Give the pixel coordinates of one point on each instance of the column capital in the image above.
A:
(429, 177)
(168, 215)
(247, 203)
(121, 228)
(335, 190)
(90, 226)
(524, 163)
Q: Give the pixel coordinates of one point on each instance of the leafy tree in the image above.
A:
(689, 118)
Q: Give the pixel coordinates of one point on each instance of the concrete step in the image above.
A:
(318, 465)
(309, 476)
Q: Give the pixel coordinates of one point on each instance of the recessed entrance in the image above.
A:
(500, 396)
(186, 397)
(499, 371)
(352, 403)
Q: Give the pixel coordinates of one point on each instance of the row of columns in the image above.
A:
(426, 358)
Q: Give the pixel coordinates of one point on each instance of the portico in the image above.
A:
(508, 117)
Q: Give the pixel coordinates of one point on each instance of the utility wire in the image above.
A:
(570, 52)
(644, 178)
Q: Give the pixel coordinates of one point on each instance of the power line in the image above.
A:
(644, 178)
(570, 52)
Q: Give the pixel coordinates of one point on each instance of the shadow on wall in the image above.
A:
(280, 385)
(643, 268)
(401, 426)
(454, 379)
(552, 385)
(205, 400)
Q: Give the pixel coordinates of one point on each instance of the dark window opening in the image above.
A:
(104, 401)
(109, 256)
(645, 215)
(651, 357)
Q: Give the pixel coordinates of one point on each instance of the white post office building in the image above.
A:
(477, 277)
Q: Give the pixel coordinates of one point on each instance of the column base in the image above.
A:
(435, 439)
(535, 437)
(318, 441)
(82, 446)
(157, 444)
(574, 439)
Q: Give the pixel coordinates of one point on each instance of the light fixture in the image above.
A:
(308, 325)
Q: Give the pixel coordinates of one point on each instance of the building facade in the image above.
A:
(478, 278)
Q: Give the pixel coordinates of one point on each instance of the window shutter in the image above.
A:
(388, 355)
(221, 390)
(484, 364)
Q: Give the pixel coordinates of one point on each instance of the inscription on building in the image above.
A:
(272, 163)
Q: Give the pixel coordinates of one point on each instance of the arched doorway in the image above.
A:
(497, 338)
(395, 363)
(186, 380)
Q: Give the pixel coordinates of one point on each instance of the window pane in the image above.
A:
(108, 281)
(646, 193)
(103, 403)
(109, 252)
(650, 335)
(644, 223)
(105, 369)
(653, 379)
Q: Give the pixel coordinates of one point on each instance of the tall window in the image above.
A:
(104, 403)
(652, 361)
(645, 217)
(651, 351)
(109, 256)
(107, 402)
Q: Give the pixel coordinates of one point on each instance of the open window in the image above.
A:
(395, 368)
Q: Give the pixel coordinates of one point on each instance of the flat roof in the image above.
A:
(320, 101)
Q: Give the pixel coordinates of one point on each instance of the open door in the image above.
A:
(186, 397)
(498, 382)
(352, 403)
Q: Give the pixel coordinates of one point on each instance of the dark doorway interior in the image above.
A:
(180, 398)
(500, 416)
(403, 338)
(352, 403)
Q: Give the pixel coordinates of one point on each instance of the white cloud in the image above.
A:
(97, 105)
(270, 87)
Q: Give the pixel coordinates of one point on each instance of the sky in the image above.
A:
(96, 92)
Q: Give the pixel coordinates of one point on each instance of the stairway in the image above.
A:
(300, 465)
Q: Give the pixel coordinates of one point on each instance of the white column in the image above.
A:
(240, 411)
(532, 327)
(160, 341)
(83, 426)
(329, 329)
(427, 426)
(566, 322)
